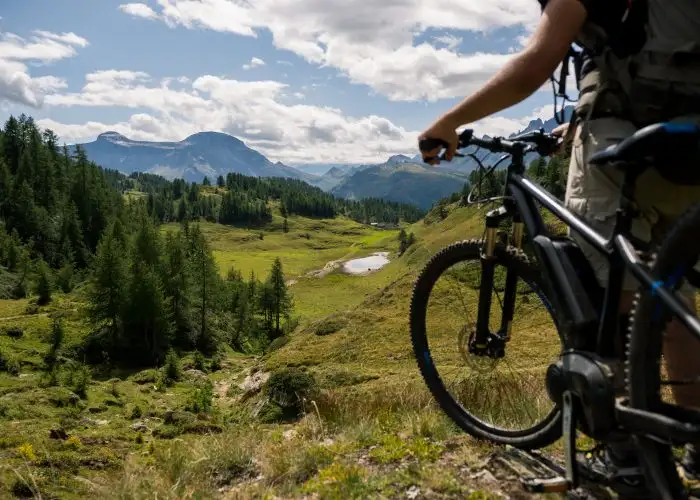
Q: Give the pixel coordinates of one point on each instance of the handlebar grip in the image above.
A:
(428, 144)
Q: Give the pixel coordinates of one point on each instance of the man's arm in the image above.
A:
(528, 71)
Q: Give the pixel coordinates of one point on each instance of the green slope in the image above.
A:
(371, 428)
(407, 182)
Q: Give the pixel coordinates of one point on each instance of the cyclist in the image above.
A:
(642, 65)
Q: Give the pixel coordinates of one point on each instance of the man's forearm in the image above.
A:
(516, 81)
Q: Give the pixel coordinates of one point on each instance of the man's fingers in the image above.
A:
(561, 129)
(451, 150)
(431, 154)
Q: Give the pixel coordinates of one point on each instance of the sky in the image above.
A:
(302, 81)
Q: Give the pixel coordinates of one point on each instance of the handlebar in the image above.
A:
(535, 141)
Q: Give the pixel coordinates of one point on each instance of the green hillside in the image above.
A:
(369, 428)
(405, 182)
(147, 349)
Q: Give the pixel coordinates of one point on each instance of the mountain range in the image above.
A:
(203, 154)
(401, 178)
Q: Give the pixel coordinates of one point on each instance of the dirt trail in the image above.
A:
(22, 316)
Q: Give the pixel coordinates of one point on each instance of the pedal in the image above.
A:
(537, 473)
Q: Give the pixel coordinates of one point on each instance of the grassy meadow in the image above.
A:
(368, 428)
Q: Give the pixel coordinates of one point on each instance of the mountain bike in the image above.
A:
(579, 383)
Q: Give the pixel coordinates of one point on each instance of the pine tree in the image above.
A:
(281, 301)
(206, 181)
(12, 144)
(177, 286)
(5, 187)
(182, 210)
(205, 281)
(285, 225)
(403, 241)
(148, 320)
(44, 283)
(108, 286)
(220, 181)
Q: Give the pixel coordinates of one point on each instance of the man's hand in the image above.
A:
(443, 129)
(561, 130)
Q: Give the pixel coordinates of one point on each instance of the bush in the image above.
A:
(64, 278)
(145, 377)
(135, 412)
(201, 399)
(31, 309)
(9, 364)
(20, 488)
(217, 361)
(287, 388)
(278, 343)
(55, 341)
(172, 369)
(78, 378)
(15, 332)
(199, 362)
(330, 325)
(44, 284)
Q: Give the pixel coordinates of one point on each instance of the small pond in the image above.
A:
(365, 264)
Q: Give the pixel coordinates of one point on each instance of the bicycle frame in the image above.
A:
(577, 310)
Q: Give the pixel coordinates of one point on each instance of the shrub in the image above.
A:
(64, 278)
(172, 370)
(287, 388)
(199, 361)
(217, 361)
(331, 325)
(21, 489)
(201, 399)
(44, 284)
(55, 341)
(15, 332)
(145, 377)
(9, 364)
(135, 412)
(278, 343)
(78, 378)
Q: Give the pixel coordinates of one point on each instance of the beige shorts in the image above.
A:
(593, 192)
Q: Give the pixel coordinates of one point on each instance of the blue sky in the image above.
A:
(356, 82)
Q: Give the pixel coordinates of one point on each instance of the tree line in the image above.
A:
(238, 199)
(149, 293)
(550, 173)
(65, 222)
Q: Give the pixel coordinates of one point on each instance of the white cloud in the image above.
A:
(139, 10)
(267, 115)
(254, 63)
(449, 41)
(251, 110)
(16, 85)
(371, 43)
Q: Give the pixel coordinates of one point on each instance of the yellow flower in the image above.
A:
(27, 451)
(74, 442)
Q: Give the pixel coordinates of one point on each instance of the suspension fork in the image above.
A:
(511, 281)
(488, 264)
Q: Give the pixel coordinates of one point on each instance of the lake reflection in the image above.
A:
(371, 263)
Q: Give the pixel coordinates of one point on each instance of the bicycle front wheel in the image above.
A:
(502, 400)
